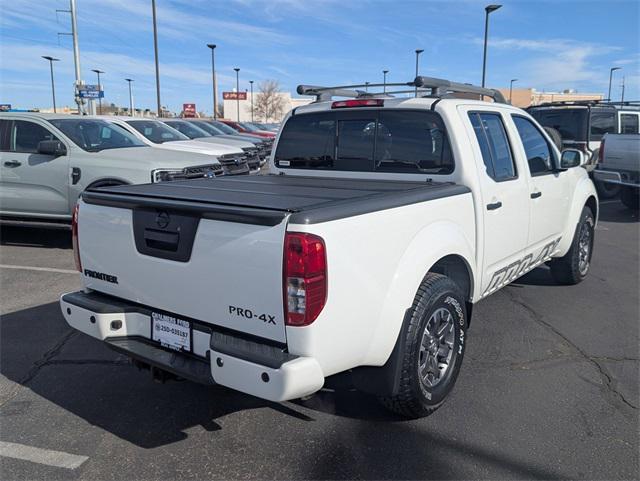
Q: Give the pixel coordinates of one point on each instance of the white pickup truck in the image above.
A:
(383, 220)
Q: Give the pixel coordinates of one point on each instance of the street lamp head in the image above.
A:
(97, 70)
(129, 79)
(211, 45)
(514, 80)
(419, 51)
(236, 69)
(251, 82)
(385, 72)
(491, 8)
(615, 68)
(50, 59)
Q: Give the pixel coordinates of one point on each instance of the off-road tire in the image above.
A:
(630, 197)
(414, 399)
(568, 269)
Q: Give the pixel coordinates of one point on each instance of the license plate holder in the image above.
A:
(171, 332)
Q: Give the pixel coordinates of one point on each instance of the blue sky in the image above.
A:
(547, 45)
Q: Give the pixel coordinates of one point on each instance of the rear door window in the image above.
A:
(25, 136)
(602, 123)
(401, 141)
(494, 145)
(629, 123)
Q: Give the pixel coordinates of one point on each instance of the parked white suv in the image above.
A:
(47, 160)
(384, 221)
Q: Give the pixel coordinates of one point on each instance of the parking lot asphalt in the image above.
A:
(548, 390)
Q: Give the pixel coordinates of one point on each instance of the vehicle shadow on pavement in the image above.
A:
(35, 237)
(78, 375)
(84, 377)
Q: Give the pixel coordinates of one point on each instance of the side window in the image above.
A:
(602, 123)
(4, 135)
(25, 136)
(629, 123)
(539, 153)
(494, 145)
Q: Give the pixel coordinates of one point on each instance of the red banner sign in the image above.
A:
(189, 110)
(234, 95)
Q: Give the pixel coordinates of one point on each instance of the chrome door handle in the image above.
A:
(494, 206)
(535, 195)
(12, 163)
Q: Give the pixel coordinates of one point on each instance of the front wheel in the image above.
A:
(433, 348)
(574, 266)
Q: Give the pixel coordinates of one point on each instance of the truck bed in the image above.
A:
(267, 199)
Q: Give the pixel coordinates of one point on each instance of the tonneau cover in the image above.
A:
(266, 199)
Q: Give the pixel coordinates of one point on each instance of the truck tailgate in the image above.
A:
(223, 273)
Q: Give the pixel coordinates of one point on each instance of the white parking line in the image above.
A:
(58, 459)
(43, 269)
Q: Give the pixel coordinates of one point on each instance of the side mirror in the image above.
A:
(52, 147)
(571, 158)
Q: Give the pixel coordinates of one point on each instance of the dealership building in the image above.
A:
(231, 104)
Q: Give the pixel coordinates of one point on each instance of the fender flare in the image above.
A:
(584, 194)
(422, 253)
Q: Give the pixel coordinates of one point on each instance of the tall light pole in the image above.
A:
(212, 46)
(237, 91)
(53, 87)
(384, 81)
(611, 70)
(130, 97)
(418, 52)
(622, 95)
(98, 72)
(488, 9)
(251, 82)
(76, 52)
(366, 86)
(155, 49)
(511, 87)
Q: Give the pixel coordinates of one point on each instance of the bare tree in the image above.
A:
(268, 104)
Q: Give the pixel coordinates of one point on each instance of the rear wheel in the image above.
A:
(574, 266)
(433, 348)
(555, 136)
(630, 197)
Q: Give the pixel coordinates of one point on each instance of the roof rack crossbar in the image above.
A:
(433, 86)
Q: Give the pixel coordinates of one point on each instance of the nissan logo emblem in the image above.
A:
(163, 219)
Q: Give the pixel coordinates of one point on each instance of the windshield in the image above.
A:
(248, 127)
(206, 126)
(571, 123)
(400, 141)
(96, 135)
(224, 128)
(189, 129)
(156, 132)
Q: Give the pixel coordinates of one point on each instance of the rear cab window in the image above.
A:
(367, 140)
(571, 123)
(629, 123)
(602, 122)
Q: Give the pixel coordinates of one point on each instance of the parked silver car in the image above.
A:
(47, 160)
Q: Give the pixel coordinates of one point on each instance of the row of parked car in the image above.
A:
(47, 160)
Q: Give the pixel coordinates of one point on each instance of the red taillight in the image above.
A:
(341, 104)
(74, 237)
(304, 279)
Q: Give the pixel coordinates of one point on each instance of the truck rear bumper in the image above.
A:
(613, 177)
(260, 369)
